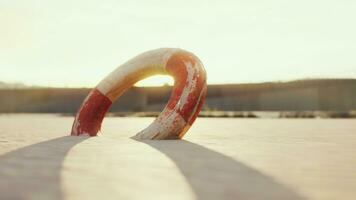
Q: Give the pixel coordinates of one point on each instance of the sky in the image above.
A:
(77, 43)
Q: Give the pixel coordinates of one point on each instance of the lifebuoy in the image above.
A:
(183, 107)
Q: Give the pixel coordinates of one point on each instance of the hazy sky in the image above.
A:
(77, 43)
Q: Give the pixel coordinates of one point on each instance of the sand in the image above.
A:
(218, 159)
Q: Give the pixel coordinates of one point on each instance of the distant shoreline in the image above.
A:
(245, 114)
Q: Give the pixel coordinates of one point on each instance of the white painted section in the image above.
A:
(163, 127)
(154, 59)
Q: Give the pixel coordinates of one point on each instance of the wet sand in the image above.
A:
(220, 158)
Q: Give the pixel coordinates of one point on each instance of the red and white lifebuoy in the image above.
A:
(181, 110)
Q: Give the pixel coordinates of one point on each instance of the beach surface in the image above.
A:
(220, 158)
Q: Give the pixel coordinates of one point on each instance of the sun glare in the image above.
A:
(158, 80)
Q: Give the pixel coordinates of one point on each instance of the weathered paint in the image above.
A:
(91, 114)
(183, 107)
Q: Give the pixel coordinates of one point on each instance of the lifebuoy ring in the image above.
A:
(183, 107)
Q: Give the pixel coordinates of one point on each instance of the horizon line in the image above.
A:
(19, 85)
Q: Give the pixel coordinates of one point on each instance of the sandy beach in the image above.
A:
(219, 158)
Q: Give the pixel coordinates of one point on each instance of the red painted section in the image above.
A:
(177, 68)
(199, 106)
(193, 97)
(91, 114)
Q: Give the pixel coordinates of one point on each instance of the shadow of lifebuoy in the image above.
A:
(212, 175)
(33, 172)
